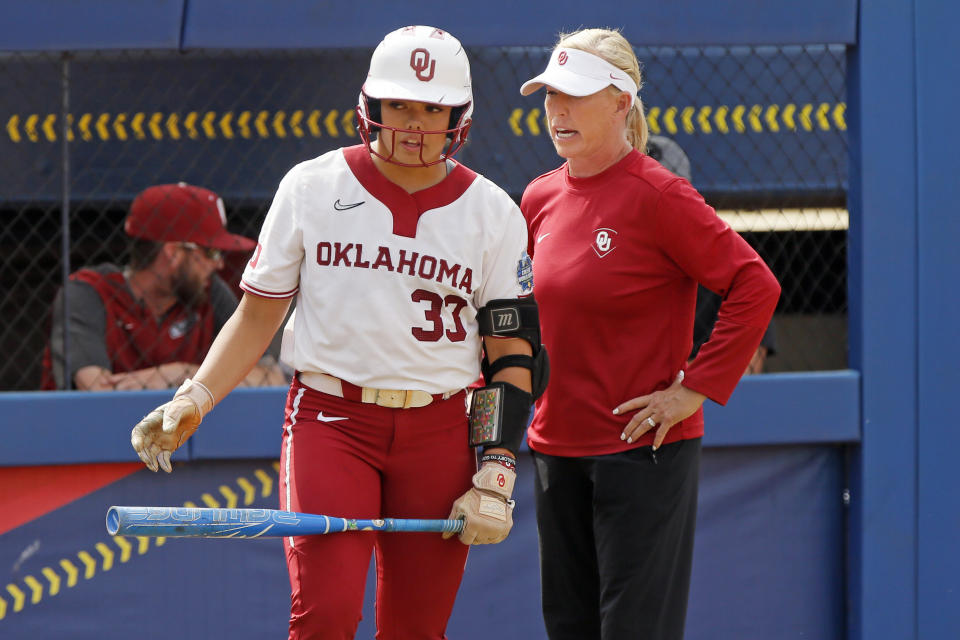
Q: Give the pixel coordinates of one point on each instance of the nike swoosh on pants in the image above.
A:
(323, 418)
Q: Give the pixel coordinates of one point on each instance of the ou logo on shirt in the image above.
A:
(604, 241)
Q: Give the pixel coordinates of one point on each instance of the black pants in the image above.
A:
(616, 542)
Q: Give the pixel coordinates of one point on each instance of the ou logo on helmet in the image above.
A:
(420, 61)
(604, 241)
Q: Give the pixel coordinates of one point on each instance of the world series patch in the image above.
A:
(525, 273)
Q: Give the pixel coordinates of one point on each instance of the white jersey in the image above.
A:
(388, 283)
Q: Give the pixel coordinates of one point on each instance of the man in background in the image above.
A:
(149, 324)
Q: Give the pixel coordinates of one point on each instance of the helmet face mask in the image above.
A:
(420, 64)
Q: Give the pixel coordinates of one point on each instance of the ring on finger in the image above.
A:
(651, 422)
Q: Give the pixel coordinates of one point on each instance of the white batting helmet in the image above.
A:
(424, 64)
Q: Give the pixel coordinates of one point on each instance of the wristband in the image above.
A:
(507, 461)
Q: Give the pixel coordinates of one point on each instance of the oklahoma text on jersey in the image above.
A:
(350, 254)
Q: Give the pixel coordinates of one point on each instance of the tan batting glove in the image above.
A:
(168, 426)
(486, 509)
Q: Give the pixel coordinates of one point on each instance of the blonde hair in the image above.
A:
(610, 45)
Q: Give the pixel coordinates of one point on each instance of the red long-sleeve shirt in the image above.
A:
(616, 261)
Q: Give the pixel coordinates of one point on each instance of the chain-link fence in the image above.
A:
(762, 127)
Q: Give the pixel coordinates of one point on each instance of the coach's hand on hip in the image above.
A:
(168, 426)
(486, 509)
(660, 410)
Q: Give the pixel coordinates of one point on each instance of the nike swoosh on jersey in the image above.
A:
(540, 238)
(344, 207)
(323, 418)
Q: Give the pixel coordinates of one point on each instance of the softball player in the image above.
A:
(404, 263)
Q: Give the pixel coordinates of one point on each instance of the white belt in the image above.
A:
(391, 398)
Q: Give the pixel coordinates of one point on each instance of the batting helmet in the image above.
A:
(424, 64)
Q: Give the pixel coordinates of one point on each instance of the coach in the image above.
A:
(619, 244)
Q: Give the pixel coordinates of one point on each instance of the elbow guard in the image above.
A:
(515, 318)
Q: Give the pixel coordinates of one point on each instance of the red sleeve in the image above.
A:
(708, 250)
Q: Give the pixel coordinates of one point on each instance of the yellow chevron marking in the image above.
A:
(248, 490)
(738, 118)
(347, 123)
(313, 123)
(514, 122)
(261, 124)
(210, 501)
(101, 126)
(277, 123)
(107, 554)
(155, 129)
(703, 119)
(12, 125)
(118, 127)
(207, 125)
(3, 608)
(276, 466)
(137, 125)
(295, 119)
(89, 563)
(686, 117)
(822, 116)
(771, 117)
(31, 127)
(265, 481)
(532, 125)
(159, 541)
(788, 116)
(225, 125)
(172, 121)
(70, 127)
(84, 124)
(53, 578)
(805, 121)
(754, 118)
(18, 597)
(669, 117)
(720, 119)
(230, 495)
(244, 122)
(838, 116)
(71, 571)
(125, 547)
(652, 119)
(190, 122)
(36, 589)
(190, 505)
(143, 545)
(330, 122)
(48, 131)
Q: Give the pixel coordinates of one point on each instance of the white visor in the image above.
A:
(578, 73)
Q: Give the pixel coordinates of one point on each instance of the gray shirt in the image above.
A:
(88, 319)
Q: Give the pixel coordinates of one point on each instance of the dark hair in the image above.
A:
(142, 253)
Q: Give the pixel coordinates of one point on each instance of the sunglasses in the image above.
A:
(213, 254)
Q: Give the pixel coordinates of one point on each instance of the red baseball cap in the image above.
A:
(183, 213)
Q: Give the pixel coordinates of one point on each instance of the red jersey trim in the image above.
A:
(249, 288)
(406, 207)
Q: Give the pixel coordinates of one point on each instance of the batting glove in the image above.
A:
(164, 429)
(486, 509)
